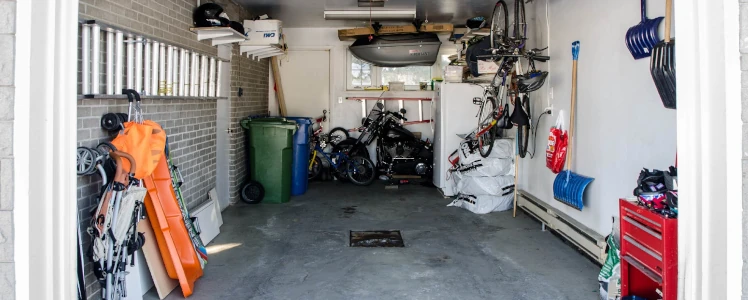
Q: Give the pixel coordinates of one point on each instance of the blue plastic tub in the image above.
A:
(300, 165)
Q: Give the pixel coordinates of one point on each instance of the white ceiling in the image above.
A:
(309, 13)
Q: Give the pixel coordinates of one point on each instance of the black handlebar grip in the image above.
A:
(541, 58)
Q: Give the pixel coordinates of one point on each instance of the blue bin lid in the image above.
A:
(301, 120)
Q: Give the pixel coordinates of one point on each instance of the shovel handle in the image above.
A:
(575, 53)
(668, 19)
(644, 10)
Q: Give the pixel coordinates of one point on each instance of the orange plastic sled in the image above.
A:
(172, 237)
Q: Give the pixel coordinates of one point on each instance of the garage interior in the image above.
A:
(520, 244)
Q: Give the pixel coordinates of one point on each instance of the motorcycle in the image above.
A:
(398, 151)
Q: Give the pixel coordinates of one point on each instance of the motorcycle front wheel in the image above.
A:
(361, 170)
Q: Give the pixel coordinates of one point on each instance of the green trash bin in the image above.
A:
(270, 155)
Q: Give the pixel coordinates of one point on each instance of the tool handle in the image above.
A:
(668, 19)
(575, 52)
(644, 10)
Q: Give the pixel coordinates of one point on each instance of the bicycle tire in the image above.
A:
(524, 130)
(485, 140)
(315, 169)
(338, 134)
(499, 15)
(361, 170)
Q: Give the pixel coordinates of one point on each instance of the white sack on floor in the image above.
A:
(487, 167)
(483, 204)
(496, 186)
(502, 148)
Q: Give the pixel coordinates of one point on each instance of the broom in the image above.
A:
(568, 187)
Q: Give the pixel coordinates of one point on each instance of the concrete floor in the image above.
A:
(299, 250)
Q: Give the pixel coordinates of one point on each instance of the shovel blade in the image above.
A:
(569, 187)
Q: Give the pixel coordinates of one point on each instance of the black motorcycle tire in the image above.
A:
(361, 171)
(338, 134)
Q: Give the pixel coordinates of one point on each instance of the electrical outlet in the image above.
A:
(549, 110)
(340, 100)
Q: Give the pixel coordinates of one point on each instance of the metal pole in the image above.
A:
(212, 78)
(169, 69)
(139, 64)
(154, 68)
(118, 62)
(110, 63)
(175, 75)
(420, 110)
(95, 59)
(219, 79)
(147, 68)
(162, 71)
(193, 73)
(86, 59)
(203, 75)
(182, 70)
(130, 61)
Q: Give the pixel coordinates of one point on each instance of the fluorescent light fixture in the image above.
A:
(402, 14)
(370, 3)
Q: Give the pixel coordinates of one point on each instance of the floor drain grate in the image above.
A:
(379, 238)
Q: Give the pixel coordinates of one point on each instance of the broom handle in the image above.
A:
(575, 53)
(668, 17)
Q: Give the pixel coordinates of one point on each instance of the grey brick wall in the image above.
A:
(7, 57)
(252, 77)
(190, 124)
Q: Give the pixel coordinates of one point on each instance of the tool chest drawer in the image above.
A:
(649, 252)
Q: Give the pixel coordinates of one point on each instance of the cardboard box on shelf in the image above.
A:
(437, 27)
(389, 29)
(263, 32)
(353, 33)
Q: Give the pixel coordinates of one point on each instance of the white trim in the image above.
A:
(51, 251)
(21, 235)
(709, 150)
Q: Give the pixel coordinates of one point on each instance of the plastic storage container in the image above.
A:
(300, 165)
(271, 155)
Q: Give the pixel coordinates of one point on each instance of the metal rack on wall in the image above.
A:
(147, 65)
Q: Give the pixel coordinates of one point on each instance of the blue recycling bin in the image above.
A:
(300, 165)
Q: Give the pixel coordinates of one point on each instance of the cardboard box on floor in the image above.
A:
(353, 33)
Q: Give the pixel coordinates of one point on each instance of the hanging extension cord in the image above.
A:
(535, 135)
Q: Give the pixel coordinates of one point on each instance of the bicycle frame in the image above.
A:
(340, 157)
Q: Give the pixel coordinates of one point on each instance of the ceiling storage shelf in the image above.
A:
(260, 52)
(218, 35)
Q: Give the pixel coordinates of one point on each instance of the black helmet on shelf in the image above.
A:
(532, 81)
(238, 27)
(210, 15)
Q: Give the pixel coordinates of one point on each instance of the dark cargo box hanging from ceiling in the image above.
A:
(418, 49)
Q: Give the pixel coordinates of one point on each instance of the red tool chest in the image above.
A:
(649, 253)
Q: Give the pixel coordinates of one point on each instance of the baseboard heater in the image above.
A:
(588, 241)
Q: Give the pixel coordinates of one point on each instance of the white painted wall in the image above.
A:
(348, 114)
(621, 123)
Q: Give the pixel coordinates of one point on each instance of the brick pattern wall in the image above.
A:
(252, 77)
(190, 124)
(7, 57)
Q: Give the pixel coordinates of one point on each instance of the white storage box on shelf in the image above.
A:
(263, 32)
(264, 39)
(453, 73)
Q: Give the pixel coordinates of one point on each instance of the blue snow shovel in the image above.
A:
(569, 186)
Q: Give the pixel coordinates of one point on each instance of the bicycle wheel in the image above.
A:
(338, 134)
(361, 170)
(499, 23)
(520, 25)
(523, 131)
(485, 117)
(315, 168)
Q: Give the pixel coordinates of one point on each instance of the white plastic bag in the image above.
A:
(487, 167)
(502, 148)
(496, 186)
(483, 204)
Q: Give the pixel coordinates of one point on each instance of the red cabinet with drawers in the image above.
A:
(649, 253)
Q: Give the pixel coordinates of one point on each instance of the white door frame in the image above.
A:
(709, 149)
(45, 127)
(330, 93)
